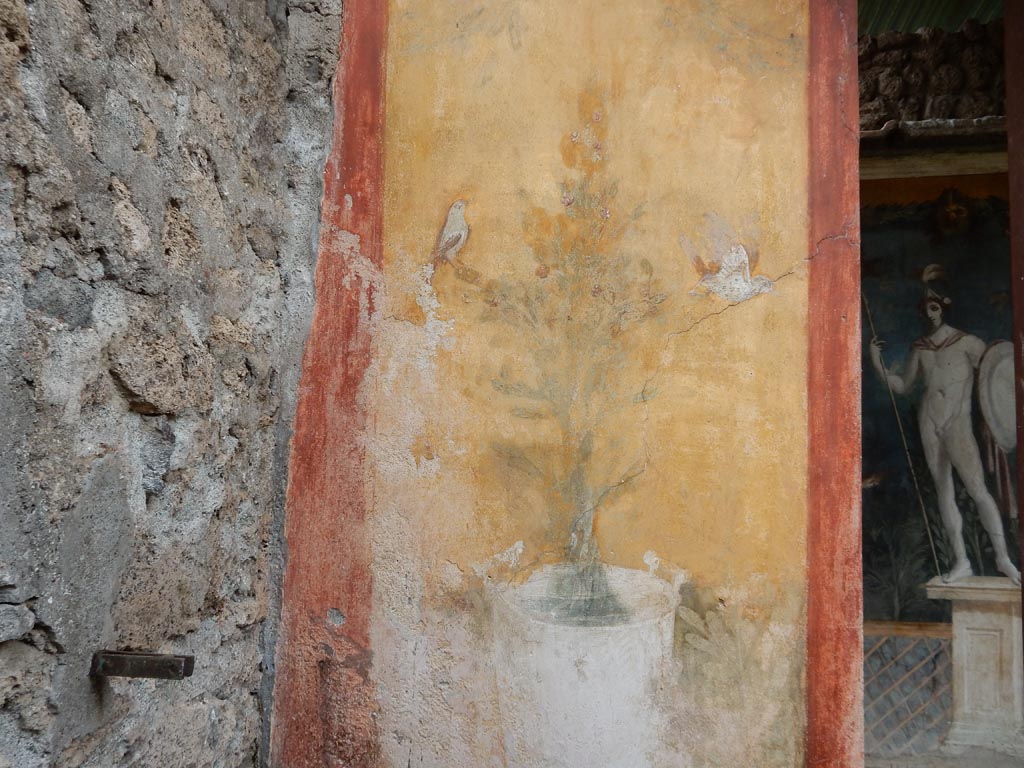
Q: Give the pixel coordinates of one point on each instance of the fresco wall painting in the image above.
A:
(939, 435)
(576, 484)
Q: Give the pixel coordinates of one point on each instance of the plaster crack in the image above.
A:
(792, 270)
(646, 395)
(645, 391)
(700, 320)
(848, 227)
(393, 318)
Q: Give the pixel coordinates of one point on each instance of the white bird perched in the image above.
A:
(453, 234)
(732, 281)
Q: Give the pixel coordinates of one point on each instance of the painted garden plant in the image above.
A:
(575, 312)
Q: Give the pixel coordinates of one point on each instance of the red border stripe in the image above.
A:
(324, 703)
(835, 718)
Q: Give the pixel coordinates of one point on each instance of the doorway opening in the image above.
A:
(941, 536)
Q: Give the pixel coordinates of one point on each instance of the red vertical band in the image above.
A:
(324, 705)
(834, 609)
(1013, 51)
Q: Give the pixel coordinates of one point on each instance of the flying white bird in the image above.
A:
(453, 234)
(732, 281)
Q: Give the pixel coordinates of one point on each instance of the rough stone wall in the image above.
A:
(932, 74)
(158, 198)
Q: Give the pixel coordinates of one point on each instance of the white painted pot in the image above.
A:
(578, 695)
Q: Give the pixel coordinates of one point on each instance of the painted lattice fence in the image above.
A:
(908, 695)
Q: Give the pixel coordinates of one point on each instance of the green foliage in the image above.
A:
(574, 313)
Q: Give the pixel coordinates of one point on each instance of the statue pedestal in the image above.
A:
(988, 674)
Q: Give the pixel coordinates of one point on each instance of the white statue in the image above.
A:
(946, 358)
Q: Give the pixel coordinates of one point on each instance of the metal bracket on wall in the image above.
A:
(137, 664)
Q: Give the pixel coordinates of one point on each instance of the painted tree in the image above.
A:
(574, 313)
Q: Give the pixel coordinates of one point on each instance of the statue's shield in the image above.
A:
(996, 394)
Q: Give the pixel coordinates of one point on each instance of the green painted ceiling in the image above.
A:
(874, 16)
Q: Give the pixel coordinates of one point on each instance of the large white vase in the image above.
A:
(577, 691)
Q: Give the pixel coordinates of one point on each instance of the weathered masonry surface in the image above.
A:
(160, 173)
(650, 328)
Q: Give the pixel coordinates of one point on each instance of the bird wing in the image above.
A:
(734, 260)
(448, 242)
(720, 235)
(690, 249)
(745, 267)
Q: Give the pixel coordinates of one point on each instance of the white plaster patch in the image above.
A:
(652, 561)
(411, 355)
(428, 663)
(508, 557)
